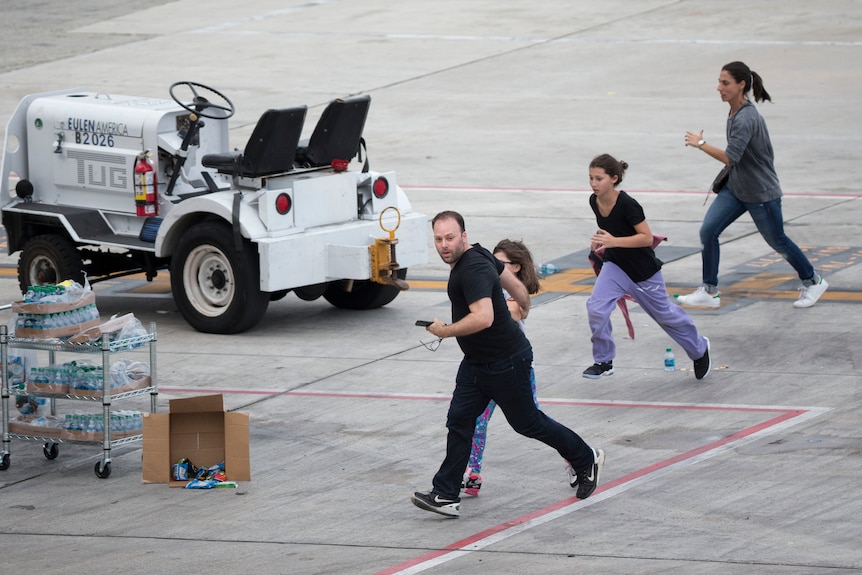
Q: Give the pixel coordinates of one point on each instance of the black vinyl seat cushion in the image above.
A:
(337, 134)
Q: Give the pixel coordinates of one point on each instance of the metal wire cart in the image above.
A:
(103, 392)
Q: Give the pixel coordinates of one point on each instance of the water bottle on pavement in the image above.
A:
(669, 360)
(548, 269)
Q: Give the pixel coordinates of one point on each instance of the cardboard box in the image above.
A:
(49, 308)
(64, 331)
(30, 425)
(126, 387)
(59, 388)
(42, 309)
(199, 429)
(76, 435)
(64, 389)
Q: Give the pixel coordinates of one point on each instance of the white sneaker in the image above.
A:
(701, 298)
(808, 295)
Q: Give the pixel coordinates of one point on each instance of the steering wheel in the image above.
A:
(201, 103)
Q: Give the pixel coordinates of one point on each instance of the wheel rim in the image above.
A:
(209, 280)
(42, 271)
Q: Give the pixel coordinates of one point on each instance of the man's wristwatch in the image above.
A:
(700, 143)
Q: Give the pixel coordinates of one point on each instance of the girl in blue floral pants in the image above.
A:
(514, 254)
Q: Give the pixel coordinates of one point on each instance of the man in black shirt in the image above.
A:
(496, 365)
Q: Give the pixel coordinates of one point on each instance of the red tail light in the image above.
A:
(282, 204)
(380, 188)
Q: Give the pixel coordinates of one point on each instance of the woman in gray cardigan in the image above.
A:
(752, 187)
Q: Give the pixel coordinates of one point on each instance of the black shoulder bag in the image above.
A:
(721, 179)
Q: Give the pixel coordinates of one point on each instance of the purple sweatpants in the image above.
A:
(651, 295)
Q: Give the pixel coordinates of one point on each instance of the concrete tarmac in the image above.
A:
(493, 109)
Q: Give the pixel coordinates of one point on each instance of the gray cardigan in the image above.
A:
(749, 151)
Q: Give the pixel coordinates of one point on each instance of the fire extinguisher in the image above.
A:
(146, 186)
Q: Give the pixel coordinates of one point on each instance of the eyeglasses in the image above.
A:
(431, 345)
(505, 262)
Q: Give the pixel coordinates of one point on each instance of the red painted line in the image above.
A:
(200, 391)
(547, 401)
(487, 537)
(458, 548)
(484, 189)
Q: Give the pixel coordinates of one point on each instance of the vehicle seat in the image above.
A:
(271, 149)
(338, 133)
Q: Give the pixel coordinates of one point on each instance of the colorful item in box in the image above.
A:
(215, 472)
(200, 429)
(207, 477)
(198, 484)
(183, 469)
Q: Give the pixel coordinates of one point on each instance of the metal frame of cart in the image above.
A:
(104, 346)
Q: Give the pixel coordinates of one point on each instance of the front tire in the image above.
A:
(364, 295)
(49, 259)
(216, 287)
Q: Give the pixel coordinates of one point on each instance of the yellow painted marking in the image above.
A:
(565, 281)
(428, 284)
(159, 285)
(759, 286)
(759, 282)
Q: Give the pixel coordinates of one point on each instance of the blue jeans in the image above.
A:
(767, 216)
(507, 382)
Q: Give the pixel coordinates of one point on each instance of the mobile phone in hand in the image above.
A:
(423, 322)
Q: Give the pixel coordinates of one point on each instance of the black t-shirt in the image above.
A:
(476, 275)
(639, 263)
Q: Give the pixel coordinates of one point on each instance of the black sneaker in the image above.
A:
(599, 369)
(572, 475)
(588, 479)
(703, 365)
(432, 502)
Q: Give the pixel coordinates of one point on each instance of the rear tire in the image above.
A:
(49, 259)
(216, 287)
(364, 295)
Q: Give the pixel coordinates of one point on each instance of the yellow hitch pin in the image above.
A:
(384, 266)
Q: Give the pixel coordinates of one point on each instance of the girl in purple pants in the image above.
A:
(630, 267)
(520, 261)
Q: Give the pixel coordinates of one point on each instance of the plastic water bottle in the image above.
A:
(62, 378)
(548, 269)
(42, 377)
(669, 360)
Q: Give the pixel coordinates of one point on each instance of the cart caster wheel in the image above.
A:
(103, 472)
(4, 462)
(51, 450)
